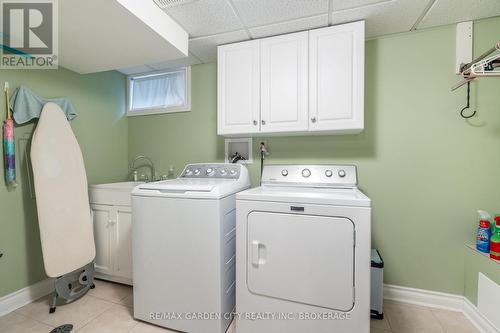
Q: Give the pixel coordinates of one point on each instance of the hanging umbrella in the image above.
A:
(9, 150)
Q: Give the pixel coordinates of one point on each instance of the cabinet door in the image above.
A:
(122, 247)
(103, 234)
(284, 81)
(238, 80)
(336, 72)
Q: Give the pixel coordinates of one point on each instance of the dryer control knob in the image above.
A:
(284, 172)
(232, 172)
(197, 172)
(341, 173)
(223, 172)
(306, 173)
(328, 173)
(210, 171)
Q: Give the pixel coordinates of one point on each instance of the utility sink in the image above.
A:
(115, 194)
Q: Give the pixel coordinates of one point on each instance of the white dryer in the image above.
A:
(184, 248)
(303, 252)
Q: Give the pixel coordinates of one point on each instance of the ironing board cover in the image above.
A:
(60, 180)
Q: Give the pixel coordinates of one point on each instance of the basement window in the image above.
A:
(159, 92)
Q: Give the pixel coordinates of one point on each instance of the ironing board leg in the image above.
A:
(53, 304)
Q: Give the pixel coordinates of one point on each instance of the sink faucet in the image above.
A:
(150, 165)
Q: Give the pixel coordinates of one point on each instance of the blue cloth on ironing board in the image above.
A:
(27, 105)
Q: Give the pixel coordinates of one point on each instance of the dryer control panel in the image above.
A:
(214, 170)
(311, 175)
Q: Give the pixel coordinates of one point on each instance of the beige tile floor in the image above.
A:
(108, 308)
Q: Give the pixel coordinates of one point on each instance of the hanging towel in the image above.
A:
(27, 105)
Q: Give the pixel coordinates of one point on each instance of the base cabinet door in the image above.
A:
(103, 234)
(113, 242)
(336, 78)
(123, 242)
(284, 81)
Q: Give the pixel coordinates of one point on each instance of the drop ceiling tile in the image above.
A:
(353, 4)
(262, 12)
(206, 17)
(205, 48)
(384, 18)
(453, 11)
(187, 61)
(290, 26)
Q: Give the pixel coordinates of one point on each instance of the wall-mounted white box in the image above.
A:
(241, 147)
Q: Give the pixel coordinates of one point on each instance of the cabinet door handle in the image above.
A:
(255, 122)
(263, 122)
(313, 119)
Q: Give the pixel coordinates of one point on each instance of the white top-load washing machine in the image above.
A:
(303, 252)
(184, 248)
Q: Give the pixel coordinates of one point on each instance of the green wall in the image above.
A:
(101, 129)
(476, 262)
(426, 169)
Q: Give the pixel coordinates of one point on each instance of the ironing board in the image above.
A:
(64, 217)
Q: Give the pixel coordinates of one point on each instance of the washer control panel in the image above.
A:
(311, 175)
(218, 171)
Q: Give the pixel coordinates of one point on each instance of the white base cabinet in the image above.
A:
(309, 82)
(113, 242)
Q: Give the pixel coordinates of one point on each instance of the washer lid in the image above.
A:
(181, 185)
(313, 195)
(204, 181)
(190, 188)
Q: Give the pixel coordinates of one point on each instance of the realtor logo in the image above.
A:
(29, 34)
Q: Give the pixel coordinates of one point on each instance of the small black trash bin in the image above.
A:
(377, 286)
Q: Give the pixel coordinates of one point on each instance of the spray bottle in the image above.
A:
(495, 241)
(483, 232)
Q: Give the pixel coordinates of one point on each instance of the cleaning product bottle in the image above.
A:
(483, 232)
(493, 225)
(495, 241)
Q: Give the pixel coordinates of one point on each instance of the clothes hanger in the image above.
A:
(487, 67)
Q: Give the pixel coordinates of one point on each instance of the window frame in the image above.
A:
(159, 110)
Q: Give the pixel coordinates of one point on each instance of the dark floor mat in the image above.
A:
(63, 329)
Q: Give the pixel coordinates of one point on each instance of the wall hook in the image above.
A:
(462, 112)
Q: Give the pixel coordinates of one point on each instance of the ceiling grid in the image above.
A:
(215, 22)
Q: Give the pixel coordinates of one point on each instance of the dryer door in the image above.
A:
(302, 258)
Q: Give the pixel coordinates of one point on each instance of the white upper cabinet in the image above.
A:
(301, 83)
(284, 81)
(238, 88)
(336, 78)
